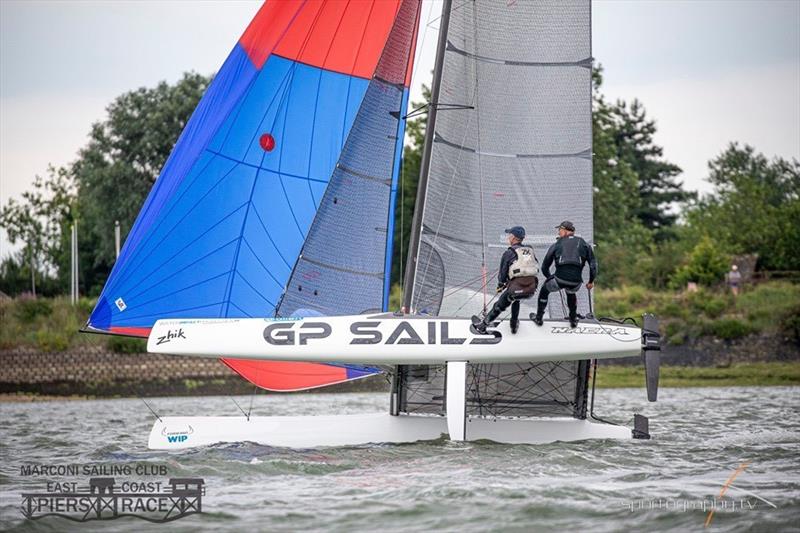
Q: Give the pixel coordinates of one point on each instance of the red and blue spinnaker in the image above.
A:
(278, 198)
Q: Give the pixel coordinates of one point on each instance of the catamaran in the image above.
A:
(267, 239)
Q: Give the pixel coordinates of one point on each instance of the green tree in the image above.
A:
(124, 156)
(707, 265)
(22, 225)
(620, 236)
(658, 187)
(754, 208)
(616, 198)
(41, 221)
(15, 274)
(657, 263)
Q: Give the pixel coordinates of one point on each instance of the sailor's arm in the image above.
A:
(548, 261)
(592, 260)
(505, 262)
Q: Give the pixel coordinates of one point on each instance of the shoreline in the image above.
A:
(756, 374)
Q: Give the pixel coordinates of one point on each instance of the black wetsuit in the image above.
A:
(570, 254)
(515, 289)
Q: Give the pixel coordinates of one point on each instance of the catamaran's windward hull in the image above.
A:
(388, 339)
(173, 433)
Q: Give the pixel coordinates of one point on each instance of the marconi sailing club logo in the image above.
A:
(110, 493)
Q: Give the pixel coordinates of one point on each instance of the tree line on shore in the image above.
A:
(649, 230)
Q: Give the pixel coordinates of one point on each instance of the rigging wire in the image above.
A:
(453, 10)
(252, 396)
(247, 415)
(249, 409)
(564, 308)
(591, 408)
(457, 288)
(454, 167)
(598, 321)
(483, 288)
(402, 223)
(414, 71)
(478, 151)
(151, 409)
(447, 195)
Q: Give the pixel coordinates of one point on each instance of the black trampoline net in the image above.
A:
(550, 389)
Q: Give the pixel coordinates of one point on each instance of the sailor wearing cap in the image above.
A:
(516, 279)
(570, 254)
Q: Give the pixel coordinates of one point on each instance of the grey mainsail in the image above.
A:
(511, 145)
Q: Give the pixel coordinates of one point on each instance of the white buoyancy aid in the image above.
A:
(525, 265)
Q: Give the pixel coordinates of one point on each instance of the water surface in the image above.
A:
(700, 437)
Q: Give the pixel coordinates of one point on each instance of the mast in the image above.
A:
(422, 185)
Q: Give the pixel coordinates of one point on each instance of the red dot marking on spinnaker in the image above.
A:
(267, 142)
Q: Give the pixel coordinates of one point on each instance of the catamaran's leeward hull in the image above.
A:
(389, 339)
(173, 433)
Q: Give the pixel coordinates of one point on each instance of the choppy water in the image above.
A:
(700, 437)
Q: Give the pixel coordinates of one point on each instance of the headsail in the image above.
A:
(221, 232)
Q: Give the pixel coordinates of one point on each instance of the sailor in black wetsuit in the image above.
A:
(570, 254)
(516, 279)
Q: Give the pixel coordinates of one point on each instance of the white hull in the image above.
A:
(174, 433)
(390, 340)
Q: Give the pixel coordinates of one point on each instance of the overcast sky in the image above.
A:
(708, 71)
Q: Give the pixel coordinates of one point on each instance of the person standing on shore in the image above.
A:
(734, 279)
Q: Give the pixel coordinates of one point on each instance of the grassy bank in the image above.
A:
(52, 324)
(768, 308)
(742, 374)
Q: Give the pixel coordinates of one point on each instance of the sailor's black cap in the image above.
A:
(567, 225)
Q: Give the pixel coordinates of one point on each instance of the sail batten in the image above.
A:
(586, 154)
(585, 62)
